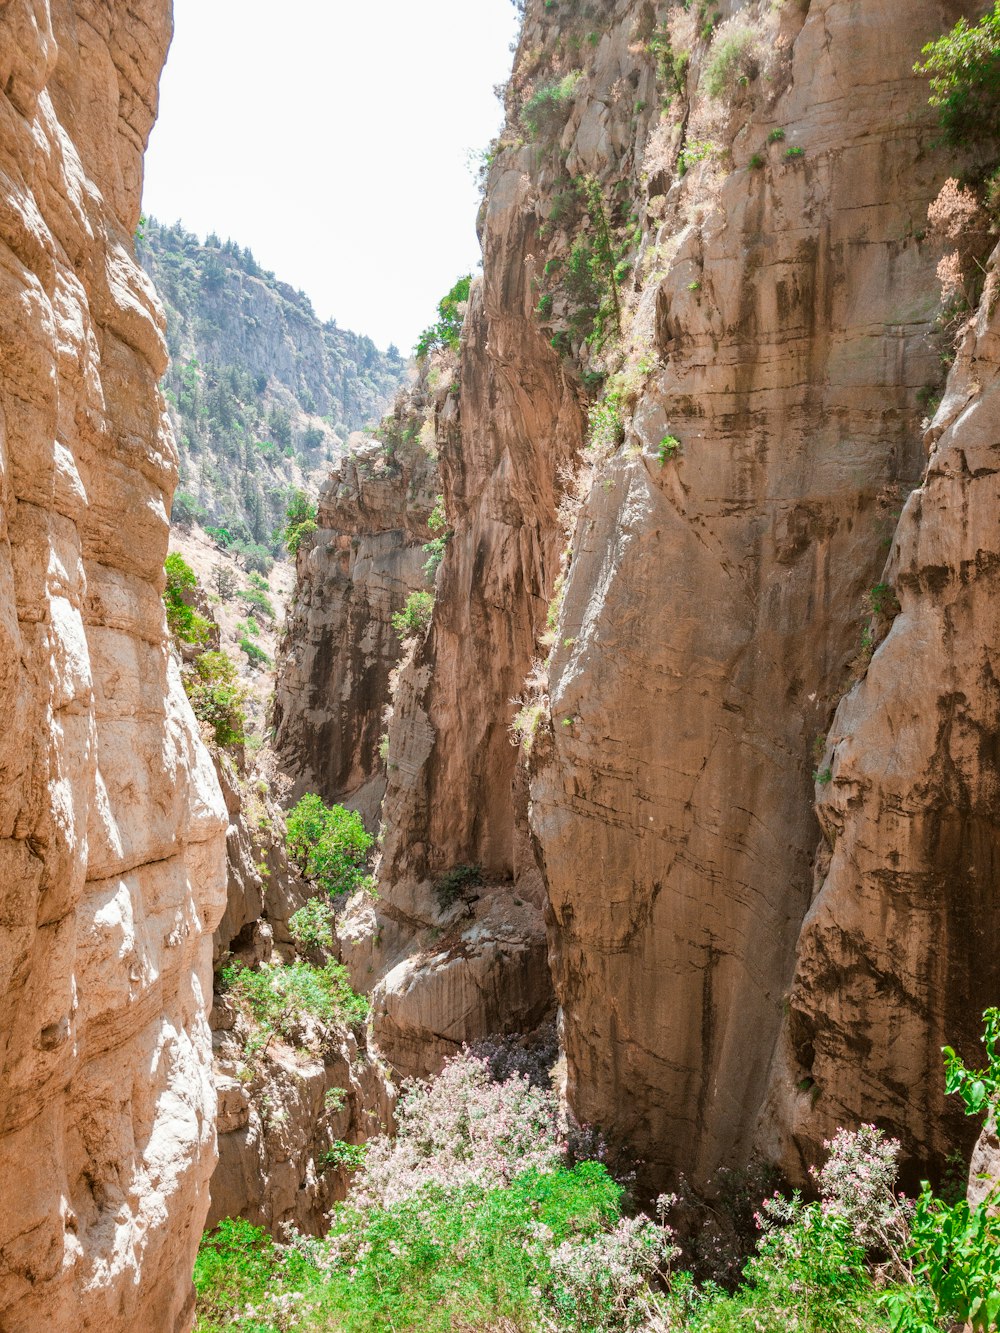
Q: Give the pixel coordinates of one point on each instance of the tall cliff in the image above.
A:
(706, 259)
(112, 825)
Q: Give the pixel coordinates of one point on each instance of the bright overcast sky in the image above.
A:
(332, 137)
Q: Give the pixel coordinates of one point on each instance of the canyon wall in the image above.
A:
(675, 612)
(112, 825)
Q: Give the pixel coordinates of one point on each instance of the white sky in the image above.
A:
(332, 136)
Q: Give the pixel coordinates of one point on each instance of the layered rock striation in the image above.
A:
(112, 826)
(740, 294)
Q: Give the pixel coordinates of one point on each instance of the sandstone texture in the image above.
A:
(112, 852)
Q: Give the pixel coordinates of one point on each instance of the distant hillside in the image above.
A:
(263, 396)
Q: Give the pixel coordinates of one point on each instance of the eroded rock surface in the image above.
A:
(340, 648)
(112, 826)
(897, 956)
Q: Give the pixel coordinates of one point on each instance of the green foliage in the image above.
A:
(279, 997)
(776, 136)
(415, 616)
(695, 150)
(218, 697)
(733, 60)
(435, 548)
(956, 1252)
(979, 1089)
(547, 109)
(438, 1261)
(963, 66)
(756, 162)
(254, 653)
(669, 447)
(255, 600)
(183, 621)
(341, 1156)
(455, 884)
(300, 520)
(328, 843)
(795, 152)
(312, 925)
(254, 557)
(605, 426)
(447, 332)
(186, 510)
(955, 1249)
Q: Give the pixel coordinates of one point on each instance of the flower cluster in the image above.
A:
(461, 1129)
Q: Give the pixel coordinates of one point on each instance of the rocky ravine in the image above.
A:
(112, 826)
(715, 605)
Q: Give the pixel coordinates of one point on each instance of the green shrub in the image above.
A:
(453, 884)
(415, 616)
(254, 599)
(312, 925)
(341, 1156)
(217, 696)
(253, 556)
(795, 152)
(278, 997)
(328, 843)
(669, 447)
(183, 621)
(955, 1249)
(447, 332)
(547, 109)
(435, 548)
(300, 521)
(734, 59)
(963, 66)
(255, 654)
(550, 1250)
(776, 136)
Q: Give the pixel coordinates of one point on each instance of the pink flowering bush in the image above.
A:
(461, 1129)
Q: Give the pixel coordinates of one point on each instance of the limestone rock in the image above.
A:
(340, 648)
(112, 855)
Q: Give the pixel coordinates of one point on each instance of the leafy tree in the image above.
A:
(415, 616)
(182, 620)
(963, 66)
(300, 520)
(447, 331)
(224, 581)
(328, 843)
(218, 696)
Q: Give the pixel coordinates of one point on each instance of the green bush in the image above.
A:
(547, 109)
(963, 66)
(255, 654)
(312, 925)
(278, 997)
(217, 696)
(254, 599)
(454, 883)
(447, 332)
(328, 843)
(300, 521)
(182, 620)
(734, 60)
(955, 1249)
(438, 1261)
(415, 616)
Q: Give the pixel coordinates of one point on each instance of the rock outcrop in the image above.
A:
(897, 954)
(112, 826)
(354, 574)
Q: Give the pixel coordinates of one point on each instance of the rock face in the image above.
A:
(723, 986)
(715, 596)
(340, 648)
(897, 954)
(112, 851)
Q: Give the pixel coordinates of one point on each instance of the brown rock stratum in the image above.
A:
(112, 826)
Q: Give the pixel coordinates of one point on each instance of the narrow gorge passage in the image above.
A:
(449, 800)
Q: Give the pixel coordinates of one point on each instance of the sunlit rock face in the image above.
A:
(733, 974)
(112, 826)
